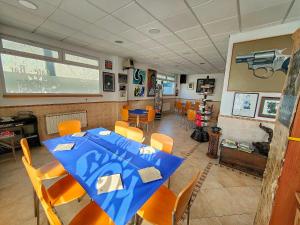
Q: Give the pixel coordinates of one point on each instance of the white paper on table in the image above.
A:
(149, 174)
(105, 132)
(110, 183)
(64, 147)
(78, 134)
(147, 150)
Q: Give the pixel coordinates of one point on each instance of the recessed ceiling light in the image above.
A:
(202, 63)
(28, 4)
(154, 31)
(119, 42)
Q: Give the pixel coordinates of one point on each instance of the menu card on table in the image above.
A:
(147, 150)
(149, 174)
(64, 147)
(110, 183)
(105, 132)
(79, 134)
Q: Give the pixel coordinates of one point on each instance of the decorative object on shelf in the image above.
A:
(158, 101)
(205, 86)
(213, 144)
(264, 147)
(151, 77)
(108, 65)
(123, 90)
(190, 86)
(122, 78)
(139, 91)
(108, 82)
(268, 107)
(244, 104)
(139, 76)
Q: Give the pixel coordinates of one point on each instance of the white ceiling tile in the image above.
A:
(87, 39)
(112, 24)
(223, 26)
(257, 5)
(191, 33)
(96, 31)
(154, 25)
(52, 2)
(59, 30)
(133, 35)
(64, 18)
(83, 10)
(50, 34)
(163, 8)
(199, 43)
(168, 39)
(264, 16)
(109, 5)
(133, 15)
(295, 12)
(180, 21)
(149, 44)
(75, 41)
(193, 3)
(16, 23)
(216, 10)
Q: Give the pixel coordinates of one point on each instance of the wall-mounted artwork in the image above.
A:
(139, 76)
(108, 65)
(151, 77)
(268, 57)
(268, 107)
(203, 83)
(244, 104)
(190, 86)
(108, 82)
(139, 91)
(122, 78)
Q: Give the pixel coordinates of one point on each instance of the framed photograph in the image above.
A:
(108, 82)
(268, 107)
(207, 85)
(108, 65)
(190, 86)
(151, 78)
(244, 104)
(122, 78)
(139, 91)
(139, 76)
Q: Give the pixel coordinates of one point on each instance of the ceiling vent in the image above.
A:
(128, 64)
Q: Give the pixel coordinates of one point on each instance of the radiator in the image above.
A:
(166, 107)
(52, 120)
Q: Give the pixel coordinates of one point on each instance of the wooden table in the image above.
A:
(9, 142)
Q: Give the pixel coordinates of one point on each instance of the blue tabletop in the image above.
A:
(138, 111)
(94, 155)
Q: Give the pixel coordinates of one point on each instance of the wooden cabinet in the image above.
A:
(297, 215)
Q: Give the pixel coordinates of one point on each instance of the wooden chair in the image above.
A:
(149, 119)
(135, 134)
(149, 107)
(162, 142)
(68, 127)
(121, 128)
(165, 208)
(61, 192)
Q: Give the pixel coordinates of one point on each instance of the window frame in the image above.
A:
(166, 79)
(60, 59)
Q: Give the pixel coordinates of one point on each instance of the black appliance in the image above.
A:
(182, 78)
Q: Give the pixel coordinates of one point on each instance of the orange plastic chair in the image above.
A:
(162, 142)
(196, 106)
(191, 117)
(164, 208)
(50, 170)
(135, 134)
(68, 127)
(121, 127)
(149, 107)
(124, 115)
(61, 192)
(149, 119)
(178, 107)
(188, 105)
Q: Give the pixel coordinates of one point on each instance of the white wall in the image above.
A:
(186, 93)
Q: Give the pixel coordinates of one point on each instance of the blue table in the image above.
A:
(138, 113)
(94, 155)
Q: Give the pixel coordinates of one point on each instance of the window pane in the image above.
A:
(25, 75)
(20, 47)
(161, 77)
(171, 78)
(169, 88)
(83, 60)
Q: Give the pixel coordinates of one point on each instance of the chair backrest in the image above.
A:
(69, 127)
(135, 134)
(26, 150)
(191, 115)
(162, 142)
(126, 107)
(183, 198)
(196, 106)
(149, 107)
(188, 105)
(151, 115)
(121, 127)
(179, 105)
(124, 114)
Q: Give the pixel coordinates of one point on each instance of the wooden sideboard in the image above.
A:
(252, 163)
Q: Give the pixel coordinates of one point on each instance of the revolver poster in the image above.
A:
(260, 65)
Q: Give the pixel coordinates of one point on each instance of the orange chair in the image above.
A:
(149, 107)
(191, 117)
(164, 208)
(121, 128)
(135, 134)
(61, 192)
(68, 127)
(149, 119)
(124, 115)
(196, 106)
(188, 105)
(178, 107)
(162, 142)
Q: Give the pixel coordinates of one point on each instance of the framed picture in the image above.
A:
(190, 86)
(202, 83)
(139, 91)
(151, 78)
(108, 65)
(244, 104)
(268, 107)
(122, 78)
(139, 76)
(108, 82)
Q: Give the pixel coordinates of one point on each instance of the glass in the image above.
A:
(80, 59)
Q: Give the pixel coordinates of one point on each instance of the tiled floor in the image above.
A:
(226, 197)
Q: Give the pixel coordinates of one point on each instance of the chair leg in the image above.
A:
(38, 213)
(188, 215)
(169, 182)
(34, 203)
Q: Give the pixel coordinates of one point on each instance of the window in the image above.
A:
(168, 82)
(25, 74)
